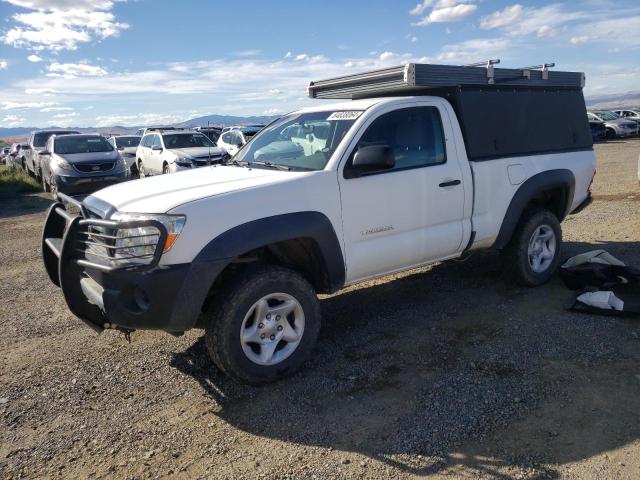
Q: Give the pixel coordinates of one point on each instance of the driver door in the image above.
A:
(408, 215)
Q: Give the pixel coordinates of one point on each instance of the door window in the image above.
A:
(414, 134)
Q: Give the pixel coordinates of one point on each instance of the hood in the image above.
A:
(89, 157)
(197, 152)
(162, 193)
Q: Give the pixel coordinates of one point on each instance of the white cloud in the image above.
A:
(452, 13)
(502, 18)
(12, 121)
(34, 58)
(303, 57)
(618, 32)
(517, 20)
(579, 39)
(73, 70)
(56, 109)
(3, 64)
(272, 111)
(411, 38)
(474, 50)
(137, 119)
(8, 105)
(66, 115)
(247, 53)
(420, 8)
(61, 25)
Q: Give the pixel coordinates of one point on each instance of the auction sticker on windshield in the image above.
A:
(350, 115)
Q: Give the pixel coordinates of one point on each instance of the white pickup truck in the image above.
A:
(326, 197)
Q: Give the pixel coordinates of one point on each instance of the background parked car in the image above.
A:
(37, 141)
(5, 154)
(170, 150)
(631, 115)
(81, 163)
(232, 140)
(616, 127)
(628, 114)
(598, 129)
(13, 159)
(212, 132)
(127, 145)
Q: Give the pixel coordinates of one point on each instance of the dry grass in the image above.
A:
(14, 181)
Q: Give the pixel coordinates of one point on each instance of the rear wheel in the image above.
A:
(264, 325)
(533, 254)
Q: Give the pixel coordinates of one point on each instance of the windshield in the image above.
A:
(67, 145)
(186, 140)
(607, 115)
(212, 134)
(123, 142)
(40, 139)
(302, 140)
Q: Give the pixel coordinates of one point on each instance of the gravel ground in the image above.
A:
(446, 371)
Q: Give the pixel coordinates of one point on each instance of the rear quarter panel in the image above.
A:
(497, 181)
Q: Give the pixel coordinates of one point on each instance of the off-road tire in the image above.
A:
(516, 253)
(223, 321)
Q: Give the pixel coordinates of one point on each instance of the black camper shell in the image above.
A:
(502, 112)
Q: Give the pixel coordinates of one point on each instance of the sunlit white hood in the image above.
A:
(162, 193)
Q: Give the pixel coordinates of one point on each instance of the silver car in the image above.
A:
(82, 163)
(127, 146)
(616, 127)
(37, 141)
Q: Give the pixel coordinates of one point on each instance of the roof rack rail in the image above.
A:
(414, 77)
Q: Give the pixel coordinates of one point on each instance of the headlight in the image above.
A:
(142, 241)
(120, 163)
(183, 162)
(63, 164)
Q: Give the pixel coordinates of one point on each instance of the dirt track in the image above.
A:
(446, 371)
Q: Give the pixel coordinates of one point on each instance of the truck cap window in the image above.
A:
(40, 139)
(300, 141)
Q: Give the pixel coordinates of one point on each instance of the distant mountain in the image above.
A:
(614, 100)
(19, 133)
(222, 120)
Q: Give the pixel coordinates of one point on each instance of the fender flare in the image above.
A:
(548, 180)
(219, 252)
(269, 230)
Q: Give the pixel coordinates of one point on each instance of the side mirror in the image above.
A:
(45, 153)
(156, 148)
(373, 158)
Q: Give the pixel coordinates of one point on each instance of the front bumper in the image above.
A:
(104, 295)
(87, 184)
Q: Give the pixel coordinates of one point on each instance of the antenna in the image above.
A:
(208, 143)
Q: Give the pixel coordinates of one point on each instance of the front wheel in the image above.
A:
(533, 254)
(45, 184)
(142, 173)
(165, 169)
(264, 325)
(53, 186)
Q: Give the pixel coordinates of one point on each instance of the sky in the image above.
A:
(94, 63)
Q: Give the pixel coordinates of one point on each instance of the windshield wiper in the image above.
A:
(271, 165)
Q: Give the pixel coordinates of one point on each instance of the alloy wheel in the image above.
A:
(272, 329)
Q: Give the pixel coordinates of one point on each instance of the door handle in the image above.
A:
(450, 183)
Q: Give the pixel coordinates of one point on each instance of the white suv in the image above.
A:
(235, 138)
(168, 151)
